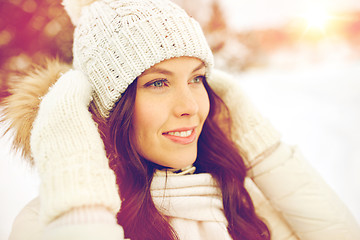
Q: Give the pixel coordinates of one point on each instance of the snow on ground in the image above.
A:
(18, 185)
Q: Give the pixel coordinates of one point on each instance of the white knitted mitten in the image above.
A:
(253, 134)
(69, 153)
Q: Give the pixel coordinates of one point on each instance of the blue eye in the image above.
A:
(198, 79)
(158, 83)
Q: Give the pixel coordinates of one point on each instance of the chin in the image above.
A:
(175, 159)
(183, 163)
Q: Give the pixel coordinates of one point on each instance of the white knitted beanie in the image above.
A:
(116, 40)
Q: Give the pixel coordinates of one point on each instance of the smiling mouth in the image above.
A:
(182, 137)
(181, 134)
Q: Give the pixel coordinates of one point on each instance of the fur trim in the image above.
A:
(73, 8)
(21, 107)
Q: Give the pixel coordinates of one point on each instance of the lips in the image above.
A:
(181, 136)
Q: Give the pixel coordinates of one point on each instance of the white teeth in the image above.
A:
(181, 134)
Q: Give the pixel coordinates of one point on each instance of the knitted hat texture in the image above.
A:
(116, 40)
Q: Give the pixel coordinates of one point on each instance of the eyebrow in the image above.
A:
(167, 72)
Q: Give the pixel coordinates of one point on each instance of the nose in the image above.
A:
(185, 103)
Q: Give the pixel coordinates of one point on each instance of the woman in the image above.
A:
(179, 153)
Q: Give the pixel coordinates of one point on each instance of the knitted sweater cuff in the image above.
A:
(75, 187)
(255, 142)
(84, 215)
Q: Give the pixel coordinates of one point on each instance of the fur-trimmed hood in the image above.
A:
(249, 130)
(21, 107)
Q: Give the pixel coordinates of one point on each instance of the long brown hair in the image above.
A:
(217, 155)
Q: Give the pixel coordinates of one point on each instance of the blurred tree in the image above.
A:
(33, 30)
(30, 31)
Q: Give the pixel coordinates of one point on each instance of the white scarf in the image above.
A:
(194, 197)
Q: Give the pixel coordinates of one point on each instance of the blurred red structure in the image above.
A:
(31, 30)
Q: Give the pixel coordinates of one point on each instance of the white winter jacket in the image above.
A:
(292, 198)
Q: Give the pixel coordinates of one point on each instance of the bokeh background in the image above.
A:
(298, 60)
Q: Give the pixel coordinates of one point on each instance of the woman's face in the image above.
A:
(171, 106)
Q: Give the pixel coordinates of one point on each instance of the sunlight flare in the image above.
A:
(317, 18)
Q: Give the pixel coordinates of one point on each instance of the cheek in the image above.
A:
(147, 120)
(141, 121)
(143, 116)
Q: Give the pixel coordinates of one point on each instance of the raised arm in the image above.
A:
(282, 174)
(78, 192)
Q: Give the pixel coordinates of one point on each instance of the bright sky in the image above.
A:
(250, 14)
